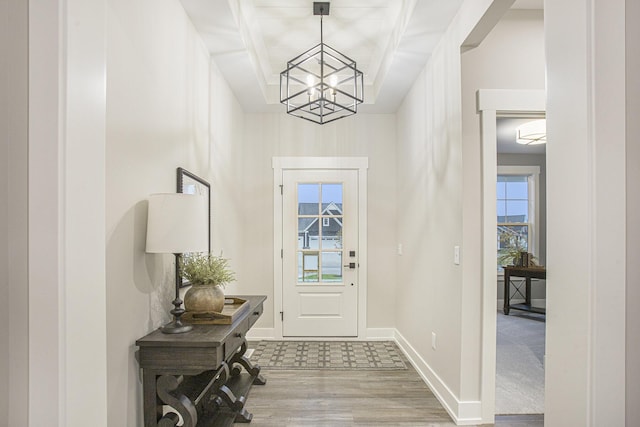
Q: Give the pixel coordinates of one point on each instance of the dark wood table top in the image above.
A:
(535, 272)
(200, 335)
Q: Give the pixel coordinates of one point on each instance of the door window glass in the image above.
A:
(320, 217)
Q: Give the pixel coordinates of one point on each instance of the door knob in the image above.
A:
(351, 265)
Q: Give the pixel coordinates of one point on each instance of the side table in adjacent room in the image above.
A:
(527, 273)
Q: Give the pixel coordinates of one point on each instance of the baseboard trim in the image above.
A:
(376, 334)
(462, 412)
(371, 334)
(257, 334)
(538, 302)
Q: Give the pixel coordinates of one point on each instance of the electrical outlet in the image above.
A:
(456, 255)
(433, 340)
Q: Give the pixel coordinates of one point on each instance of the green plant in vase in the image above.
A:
(514, 246)
(208, 275)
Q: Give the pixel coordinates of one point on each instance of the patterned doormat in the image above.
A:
(367, 355)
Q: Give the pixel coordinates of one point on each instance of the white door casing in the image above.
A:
(336, 308)
(490, 104)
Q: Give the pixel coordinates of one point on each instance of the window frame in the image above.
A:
(533, 180)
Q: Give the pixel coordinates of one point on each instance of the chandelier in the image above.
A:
(321, 85)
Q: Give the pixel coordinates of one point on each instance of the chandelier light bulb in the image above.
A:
(310, 82)
(333, 82)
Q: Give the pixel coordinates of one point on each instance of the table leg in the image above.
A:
(528, 291)
(167, 386)
(507, 289)
(152, 405)
(253, 370)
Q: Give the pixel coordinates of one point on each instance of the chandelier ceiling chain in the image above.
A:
(321, 85)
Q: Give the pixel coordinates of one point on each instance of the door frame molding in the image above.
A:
(281, 164)
(493, 103)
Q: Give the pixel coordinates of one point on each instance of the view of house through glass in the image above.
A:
(512, 194)
(320, 232)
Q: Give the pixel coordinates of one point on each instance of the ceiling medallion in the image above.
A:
(321, 85)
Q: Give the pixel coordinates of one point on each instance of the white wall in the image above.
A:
(4, 202)
(269, 135)
(227, 174)
(432, 295)
(13, 211)
(510, 57)
(56, 255)
(159, 117)
(66, 213)
(586, 213)
(633, 210)
(497, 63)
(430, 214)
(82, 219)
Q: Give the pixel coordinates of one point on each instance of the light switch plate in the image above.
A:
(456, 255)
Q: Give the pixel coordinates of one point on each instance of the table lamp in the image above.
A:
(177, 224)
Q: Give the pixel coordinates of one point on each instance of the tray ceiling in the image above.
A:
(251, 41)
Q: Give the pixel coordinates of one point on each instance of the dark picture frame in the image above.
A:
(190, 183)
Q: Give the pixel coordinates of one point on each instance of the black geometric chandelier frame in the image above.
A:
(321, 85)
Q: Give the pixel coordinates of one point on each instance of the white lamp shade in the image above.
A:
(177, 223)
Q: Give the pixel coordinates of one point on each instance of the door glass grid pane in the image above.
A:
(331, 199)
(308, 233)
(332, 266)
(308, 267)
(308, 199)
(320, 210)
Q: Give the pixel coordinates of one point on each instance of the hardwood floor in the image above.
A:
(294, 398)
(345, 398)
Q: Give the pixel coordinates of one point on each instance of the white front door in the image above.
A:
(320, 253)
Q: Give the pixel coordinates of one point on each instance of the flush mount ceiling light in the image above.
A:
(321, 85)
(532, 133)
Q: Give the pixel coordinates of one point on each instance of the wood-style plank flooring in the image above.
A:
(295, 398)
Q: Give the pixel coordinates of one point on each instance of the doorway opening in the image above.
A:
(521, 230)
(491, 105)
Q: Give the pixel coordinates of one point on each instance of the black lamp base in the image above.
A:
(176, 326)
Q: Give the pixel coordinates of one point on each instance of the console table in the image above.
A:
(200, 373)
(528, 273)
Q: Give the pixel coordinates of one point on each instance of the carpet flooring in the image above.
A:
(520, 363)
(336, 355)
